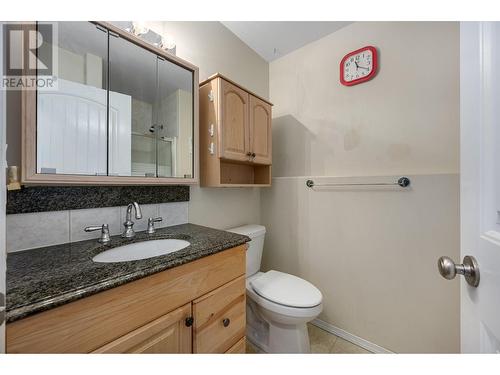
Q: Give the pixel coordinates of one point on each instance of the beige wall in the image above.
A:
(403, 121)
(213, 48)
(371, 252)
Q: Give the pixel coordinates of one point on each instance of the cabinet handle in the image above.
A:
(253, 154)
(226, 322)
(249, 153)
(189, 321)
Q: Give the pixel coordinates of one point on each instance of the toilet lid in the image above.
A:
(286, 289)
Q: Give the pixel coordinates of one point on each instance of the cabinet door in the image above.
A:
(238, 348)
(167, 334)
(260, 131)
(233, 128)
(219, 318)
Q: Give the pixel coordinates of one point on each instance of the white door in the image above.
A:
(2, 202)
(480, 183)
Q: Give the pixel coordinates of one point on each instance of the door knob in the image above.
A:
(469, 268)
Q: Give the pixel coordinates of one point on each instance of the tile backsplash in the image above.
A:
(40, 229)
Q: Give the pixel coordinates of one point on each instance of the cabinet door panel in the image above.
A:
(233, 128)
(238, 348)
(167, 334)
(260, 130)
(219, 318)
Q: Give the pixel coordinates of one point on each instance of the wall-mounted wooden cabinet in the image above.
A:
(235, 135)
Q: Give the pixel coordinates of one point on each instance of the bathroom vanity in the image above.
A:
(190, 301)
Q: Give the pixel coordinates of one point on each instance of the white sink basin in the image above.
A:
(140, 250)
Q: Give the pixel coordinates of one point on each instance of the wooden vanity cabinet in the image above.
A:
(196, 307)
(235, 135)
(167, 334)
(219, 318)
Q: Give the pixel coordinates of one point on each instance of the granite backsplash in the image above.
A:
(59, 198)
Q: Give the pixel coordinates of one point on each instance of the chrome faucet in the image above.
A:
(104, 228)
(129, 224)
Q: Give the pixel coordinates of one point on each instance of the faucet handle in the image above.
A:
(104, 228)
(151, 224)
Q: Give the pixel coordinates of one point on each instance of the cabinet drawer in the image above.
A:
(167, 334)
(219, 318)
(238, 348)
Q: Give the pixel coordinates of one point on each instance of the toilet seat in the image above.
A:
(293, 312)
(287, 290)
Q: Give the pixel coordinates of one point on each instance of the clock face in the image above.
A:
(358, 66)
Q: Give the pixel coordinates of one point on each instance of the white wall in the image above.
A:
(213, 48)
(371, 252)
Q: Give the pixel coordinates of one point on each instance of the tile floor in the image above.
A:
(322, 342)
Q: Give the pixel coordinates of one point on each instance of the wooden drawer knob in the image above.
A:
(226, 322)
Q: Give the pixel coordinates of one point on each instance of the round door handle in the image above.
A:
(189, 321)
(226, 322)
(469, 268)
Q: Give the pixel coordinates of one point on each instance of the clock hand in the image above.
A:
(362, 67)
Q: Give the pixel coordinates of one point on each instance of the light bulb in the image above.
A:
(139, 28)
(167, 42)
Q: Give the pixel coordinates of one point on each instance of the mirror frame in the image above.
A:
(29, 175)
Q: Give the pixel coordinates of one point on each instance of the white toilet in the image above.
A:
(279, 305)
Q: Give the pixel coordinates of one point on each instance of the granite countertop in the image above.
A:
(41, 279)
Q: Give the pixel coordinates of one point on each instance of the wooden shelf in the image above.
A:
(244, 174)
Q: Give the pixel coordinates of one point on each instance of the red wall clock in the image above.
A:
(358, 66)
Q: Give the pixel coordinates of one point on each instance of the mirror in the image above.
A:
(132, 94)
(174, 124)
(119, 109)
(71, 120)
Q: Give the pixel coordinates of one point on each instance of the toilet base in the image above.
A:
(289, 339)
(273, 337)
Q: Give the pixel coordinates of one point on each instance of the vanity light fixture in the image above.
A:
(139, 28)
(167, 42)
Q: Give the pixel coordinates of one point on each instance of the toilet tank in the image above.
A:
(255, 246)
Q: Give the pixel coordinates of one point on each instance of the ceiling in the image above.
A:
(273, 39)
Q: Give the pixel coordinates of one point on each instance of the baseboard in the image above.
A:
(365, 344)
